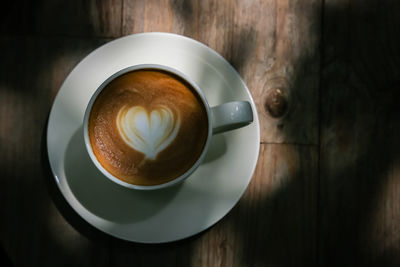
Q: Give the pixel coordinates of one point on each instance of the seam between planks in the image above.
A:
(288, 144)
(318, 189)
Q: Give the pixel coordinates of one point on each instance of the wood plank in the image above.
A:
(57, 17)
(276, 217)
(147, 16)
(32, 230)
(281, 54)
(360, 129)
(273, 45)
(274, 224)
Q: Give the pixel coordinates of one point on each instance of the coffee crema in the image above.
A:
(147, 127)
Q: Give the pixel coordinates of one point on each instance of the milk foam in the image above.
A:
(149, 133)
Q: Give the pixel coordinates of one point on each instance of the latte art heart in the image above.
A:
(148, 133)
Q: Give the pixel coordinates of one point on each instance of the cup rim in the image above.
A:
(89, 106)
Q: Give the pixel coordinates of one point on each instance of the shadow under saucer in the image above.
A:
(105, 198)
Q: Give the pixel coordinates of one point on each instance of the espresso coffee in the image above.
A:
(147, 127)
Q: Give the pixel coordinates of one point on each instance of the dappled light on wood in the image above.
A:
(324, 76)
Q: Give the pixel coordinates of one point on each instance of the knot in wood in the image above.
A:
(276, 103)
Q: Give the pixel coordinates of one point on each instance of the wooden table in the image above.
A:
(325, 75)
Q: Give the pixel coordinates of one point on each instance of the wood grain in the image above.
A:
(283, 54)
(360, 127)
(282, 196)
(326, 190)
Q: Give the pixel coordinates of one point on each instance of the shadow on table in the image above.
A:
(67, 18)
(356, 217)
(4, 259)
(358, 153)
(347, 215)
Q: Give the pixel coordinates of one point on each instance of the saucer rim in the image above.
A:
(80, 209)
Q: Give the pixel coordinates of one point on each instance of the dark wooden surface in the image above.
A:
(326, 191)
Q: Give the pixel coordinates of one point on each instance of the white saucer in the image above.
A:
(168, 214)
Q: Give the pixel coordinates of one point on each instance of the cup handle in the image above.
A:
(230, 116)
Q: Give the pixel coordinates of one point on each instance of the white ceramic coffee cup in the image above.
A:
(221, 118)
